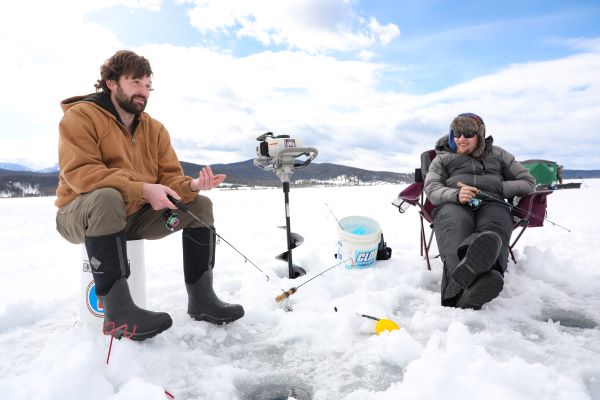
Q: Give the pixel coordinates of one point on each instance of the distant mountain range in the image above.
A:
(245, 173)
(19, 181)
(19, 167)
(581, 173)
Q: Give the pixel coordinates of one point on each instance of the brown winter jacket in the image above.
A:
(96, 151)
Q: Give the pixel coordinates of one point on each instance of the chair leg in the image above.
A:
(422, 238)
(427, 249)
(510, 249)
(425, 244)
(512, 256)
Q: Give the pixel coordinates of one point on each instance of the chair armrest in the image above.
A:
(531, 209)
(412, 193)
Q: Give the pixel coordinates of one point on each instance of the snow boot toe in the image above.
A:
(139, 332)
(122, 318)
(484, 290)
(479, 258)
(204, 305)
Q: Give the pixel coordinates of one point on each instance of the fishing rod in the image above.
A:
(383, 324)
(477, 202)
(293, 290)
(181, 206)
(334, 217)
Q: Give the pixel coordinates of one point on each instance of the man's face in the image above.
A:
(466, 146)
(132, 94)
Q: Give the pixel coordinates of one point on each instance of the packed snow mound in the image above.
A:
(538, 340)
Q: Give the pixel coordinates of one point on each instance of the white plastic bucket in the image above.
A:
(359, 239)
(91, 311)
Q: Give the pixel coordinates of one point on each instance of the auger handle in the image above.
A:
(310, 152)
(285, 294)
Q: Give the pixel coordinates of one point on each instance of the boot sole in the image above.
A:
(141, 336)
(216, 320)
(478, 259)
(484, 290)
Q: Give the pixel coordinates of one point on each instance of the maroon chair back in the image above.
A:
(532, 208)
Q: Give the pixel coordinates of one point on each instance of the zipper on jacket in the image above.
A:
(134, 133)
(124, 128)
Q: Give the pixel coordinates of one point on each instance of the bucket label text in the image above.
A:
(365, 258)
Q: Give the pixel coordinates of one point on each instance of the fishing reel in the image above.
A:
(171, 219)
(280, 153)
(474, 203)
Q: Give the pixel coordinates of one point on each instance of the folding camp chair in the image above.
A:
(413, 195)
(530, 211)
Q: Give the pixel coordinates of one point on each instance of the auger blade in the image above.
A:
(298, 271)
(296, 240)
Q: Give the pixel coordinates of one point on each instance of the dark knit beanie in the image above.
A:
(469, 122)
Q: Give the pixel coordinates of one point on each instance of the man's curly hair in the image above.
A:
(122, 63)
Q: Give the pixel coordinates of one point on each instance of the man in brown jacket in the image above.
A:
(117, 167)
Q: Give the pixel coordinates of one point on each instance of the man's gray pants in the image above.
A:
(455, 228)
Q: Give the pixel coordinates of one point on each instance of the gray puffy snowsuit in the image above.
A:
(494, 172)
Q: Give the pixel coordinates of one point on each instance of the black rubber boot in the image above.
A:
(122, 318)
(108, 260)
(110, 269)
(479, 258)
(483, 290)
(198, 261)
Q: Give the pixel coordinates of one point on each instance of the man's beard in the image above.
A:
(127, 104)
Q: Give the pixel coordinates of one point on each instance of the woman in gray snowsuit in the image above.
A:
(473, 241)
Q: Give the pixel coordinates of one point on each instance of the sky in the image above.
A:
(370, 84)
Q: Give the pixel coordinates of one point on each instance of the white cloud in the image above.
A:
(309, 25)
(50, 52)
(215, 104)
(583, 44)
(537, 110)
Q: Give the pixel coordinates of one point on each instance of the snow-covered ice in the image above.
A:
(539, 340)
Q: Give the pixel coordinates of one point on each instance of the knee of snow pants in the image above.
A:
(97, 213)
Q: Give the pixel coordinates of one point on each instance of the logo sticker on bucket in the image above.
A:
(93, 303)
(365, 258)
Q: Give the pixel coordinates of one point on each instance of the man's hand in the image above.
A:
(206, 180)
(466, 193)
(156, 195)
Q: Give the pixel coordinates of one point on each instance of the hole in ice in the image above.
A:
(568, 318)
(278, 391)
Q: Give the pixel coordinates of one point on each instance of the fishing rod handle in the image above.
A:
(285, 294)
(461, 185)
(178, 203)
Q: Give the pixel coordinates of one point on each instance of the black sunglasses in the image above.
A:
(467, 134)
